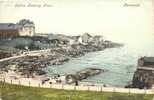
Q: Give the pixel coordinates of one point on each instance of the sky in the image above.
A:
(110, 18)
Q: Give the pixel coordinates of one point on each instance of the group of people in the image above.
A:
(54, 79)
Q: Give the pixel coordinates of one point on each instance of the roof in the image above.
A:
(86, 34)
(8, 26)
(28, 25)
(148, 59)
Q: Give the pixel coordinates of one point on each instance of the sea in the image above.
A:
(120, 63)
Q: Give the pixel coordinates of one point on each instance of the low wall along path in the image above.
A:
(36, 83)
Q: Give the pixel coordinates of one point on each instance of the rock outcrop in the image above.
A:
(83, 74)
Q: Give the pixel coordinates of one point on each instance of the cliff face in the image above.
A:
(144, 75)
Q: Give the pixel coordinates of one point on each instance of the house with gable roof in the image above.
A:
(22, 28)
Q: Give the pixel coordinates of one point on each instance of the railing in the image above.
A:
(80, 87)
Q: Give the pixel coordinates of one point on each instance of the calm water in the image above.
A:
(120, 63)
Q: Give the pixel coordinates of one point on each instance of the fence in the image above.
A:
(35, 83)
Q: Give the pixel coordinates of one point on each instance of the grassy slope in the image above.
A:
(13, 92)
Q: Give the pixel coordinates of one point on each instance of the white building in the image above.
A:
(26, 28)
(85, 38)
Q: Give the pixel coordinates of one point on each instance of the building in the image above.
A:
(26, 27)
(8, 30)
(23, 28)
(85, 38)
(146, 62)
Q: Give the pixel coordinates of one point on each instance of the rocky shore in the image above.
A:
(61, 49)
(31, 66)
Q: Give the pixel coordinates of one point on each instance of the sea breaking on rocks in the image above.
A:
(38, 52)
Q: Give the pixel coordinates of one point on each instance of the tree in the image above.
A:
(25, 21)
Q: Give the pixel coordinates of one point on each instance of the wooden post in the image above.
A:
(4, 80)
(101, 89)
(145, 92)
(19, 83)
(11, 81)
(129, 91)
(39, 85)
(88, 88)
(113, 89)
(113, 92)
(74, 88)
(62, 86)
(29, 83)
(50, 85)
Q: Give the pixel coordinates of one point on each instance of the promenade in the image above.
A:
(29, 53)
(36, 83)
